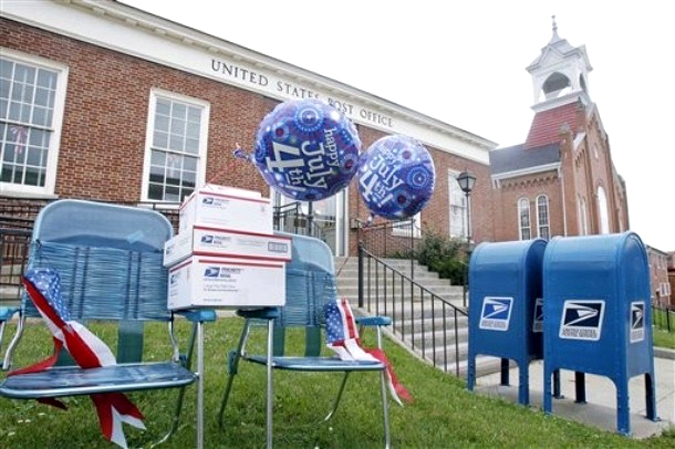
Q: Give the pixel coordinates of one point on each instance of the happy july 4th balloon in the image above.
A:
(396, 177)
(307, 149)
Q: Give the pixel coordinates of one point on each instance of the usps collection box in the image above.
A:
(228, 208)
(225, 254)
(231, 283)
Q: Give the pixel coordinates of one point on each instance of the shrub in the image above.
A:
(444, 255)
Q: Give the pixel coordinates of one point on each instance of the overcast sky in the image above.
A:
(464, 63)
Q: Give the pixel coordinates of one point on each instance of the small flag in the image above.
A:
(88, 351)
(342, 336)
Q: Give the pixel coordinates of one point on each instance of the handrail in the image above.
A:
(14, 247)
(418, 314)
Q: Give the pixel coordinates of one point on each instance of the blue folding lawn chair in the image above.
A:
(310, 285)
(107, 261)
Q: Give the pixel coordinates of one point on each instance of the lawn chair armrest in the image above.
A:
(198, 315)
(6, 313)
(373, 320)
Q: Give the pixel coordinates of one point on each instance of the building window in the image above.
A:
(583, 217)
(458, 207)
(32, 94)
(602, 211)
(524, 219)
(543, 227)
(176, 148)
(407, 228)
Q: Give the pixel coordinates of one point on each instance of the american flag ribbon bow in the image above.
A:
(342, 336)
(44, 288)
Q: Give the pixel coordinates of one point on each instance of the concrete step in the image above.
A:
(401, 288)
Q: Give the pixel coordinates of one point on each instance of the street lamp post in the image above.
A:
(466, 181)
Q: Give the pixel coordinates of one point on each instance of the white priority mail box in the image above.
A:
(205, 241)
(217, 282)
(226, 207)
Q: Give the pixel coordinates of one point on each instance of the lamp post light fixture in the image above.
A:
(466, 181)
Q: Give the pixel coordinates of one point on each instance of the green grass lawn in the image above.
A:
(444, 413)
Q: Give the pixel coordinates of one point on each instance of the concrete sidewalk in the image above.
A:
(600, 408)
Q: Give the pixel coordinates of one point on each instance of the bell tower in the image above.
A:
(559, 74)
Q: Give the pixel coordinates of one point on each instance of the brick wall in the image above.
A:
(106, 113)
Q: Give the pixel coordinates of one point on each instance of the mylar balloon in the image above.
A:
(396, 177)
(307, 149)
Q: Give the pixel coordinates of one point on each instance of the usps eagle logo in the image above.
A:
(496, 313)
(582, 319)
(637, 321)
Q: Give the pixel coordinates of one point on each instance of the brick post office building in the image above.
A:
(103, 101)
(107, 102)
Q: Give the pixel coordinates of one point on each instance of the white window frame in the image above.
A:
(540, 224)
(521, 227)
(55, 128)
(456, 202)
(603, 212)
(583, 216)
(156, 94)
(403, 230)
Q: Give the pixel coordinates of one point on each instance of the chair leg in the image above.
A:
(337, 399)
(270, 384)
(200, 385)
(385, 408)
(181, 392)
(233, 367)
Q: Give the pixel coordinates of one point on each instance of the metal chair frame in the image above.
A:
(110, 262)
(310, 284)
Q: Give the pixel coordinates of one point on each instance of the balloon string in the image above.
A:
(238, 154)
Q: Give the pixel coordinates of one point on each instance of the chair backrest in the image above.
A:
(310, 284)
(109, 258)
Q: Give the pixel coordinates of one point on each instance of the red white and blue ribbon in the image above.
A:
(342, 336)
(44, 288)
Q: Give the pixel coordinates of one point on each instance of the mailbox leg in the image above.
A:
(623, 407)
(580, 387)
(471, 372)
(505, 372)
(524, 382)
(547, 389)
(651, 397)
(556, 385)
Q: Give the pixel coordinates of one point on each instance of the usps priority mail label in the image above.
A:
(637, 321)
(496, 313)
(582, 319)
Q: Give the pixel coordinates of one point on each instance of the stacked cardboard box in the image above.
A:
(225, 253)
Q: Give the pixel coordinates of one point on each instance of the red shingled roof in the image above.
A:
(545, 128)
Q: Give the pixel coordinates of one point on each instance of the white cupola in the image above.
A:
(559, 74)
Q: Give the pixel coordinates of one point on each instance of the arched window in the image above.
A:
(583, 216)
(603, 214)
(524, 219)
(543, 227)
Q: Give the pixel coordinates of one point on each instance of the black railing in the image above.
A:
(20, 213)
(14, 245)
(663, 318)
(293, 219)
(427, 323)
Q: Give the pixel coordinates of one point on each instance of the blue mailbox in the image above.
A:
(505, 307)
(597, 315)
